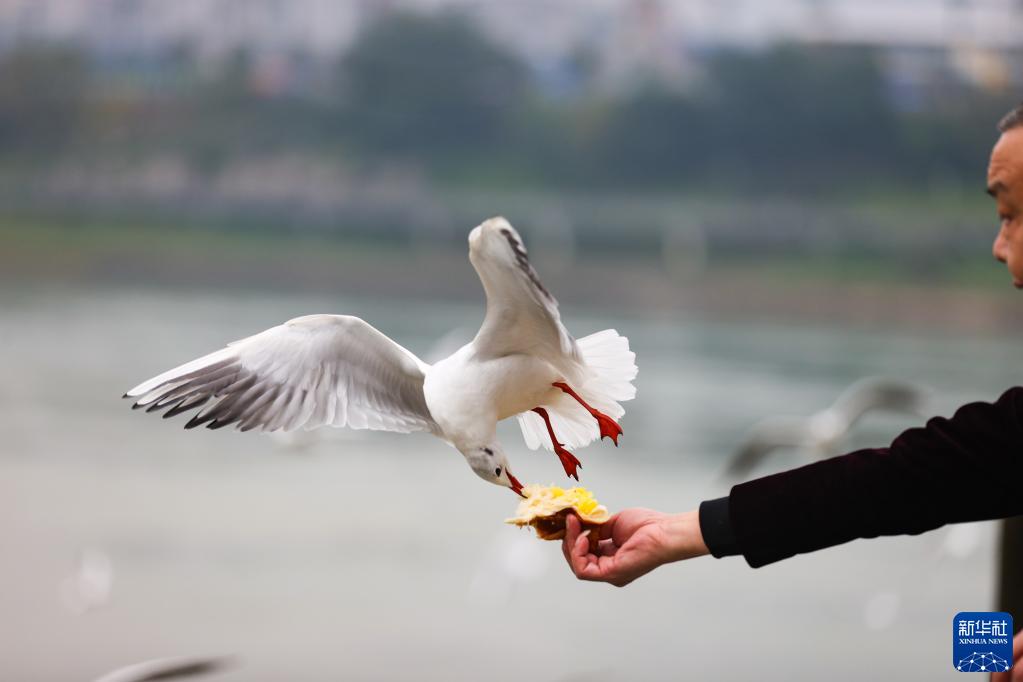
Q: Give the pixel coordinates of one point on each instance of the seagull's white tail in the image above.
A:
(613, 367)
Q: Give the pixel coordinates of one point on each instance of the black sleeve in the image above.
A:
(967, 468)
(716, 528)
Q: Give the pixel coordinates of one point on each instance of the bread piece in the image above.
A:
(546, 507)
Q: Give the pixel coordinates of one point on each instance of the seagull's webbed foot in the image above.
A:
(568, 460)
(608, 427)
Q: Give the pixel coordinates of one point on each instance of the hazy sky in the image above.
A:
(535, 28)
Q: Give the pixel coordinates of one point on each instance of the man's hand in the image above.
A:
(633, 542)
(1015, 673)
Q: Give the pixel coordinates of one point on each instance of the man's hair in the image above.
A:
(1013, 119)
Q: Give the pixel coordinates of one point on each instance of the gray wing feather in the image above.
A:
(522, 315)
(319, 370)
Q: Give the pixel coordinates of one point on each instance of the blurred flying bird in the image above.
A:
(960, 541)
(90, 584)
(166, 669)
(822, 432)
(337, 370)
(512, 561)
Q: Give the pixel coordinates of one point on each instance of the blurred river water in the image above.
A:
(373, 556)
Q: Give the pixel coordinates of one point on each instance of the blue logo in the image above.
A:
(982, 641)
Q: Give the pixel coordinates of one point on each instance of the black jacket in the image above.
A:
(967, 468)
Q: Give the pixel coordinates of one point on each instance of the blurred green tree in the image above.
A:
(812, 112)
(787, 117)
(433, 86)
(42, 94)
(655, 136)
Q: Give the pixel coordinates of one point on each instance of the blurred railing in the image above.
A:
(396, 205)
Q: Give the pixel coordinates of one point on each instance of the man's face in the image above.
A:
(1005, 184)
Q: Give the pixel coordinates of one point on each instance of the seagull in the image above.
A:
(337, 370)
(166, 669)
(89, 587)
(822, 431)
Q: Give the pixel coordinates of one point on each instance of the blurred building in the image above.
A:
(979, 41)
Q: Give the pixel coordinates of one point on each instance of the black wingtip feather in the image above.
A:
(217, 424)
(178, 409)
(195, 421)
(156, 406)
(522, 259)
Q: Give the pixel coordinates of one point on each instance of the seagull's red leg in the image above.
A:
(568, 460)
(608, 427)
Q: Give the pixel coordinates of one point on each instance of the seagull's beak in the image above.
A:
(515, 485)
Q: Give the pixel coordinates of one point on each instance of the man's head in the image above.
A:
(1005, 184)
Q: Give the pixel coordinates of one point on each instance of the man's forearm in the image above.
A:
(685, 539)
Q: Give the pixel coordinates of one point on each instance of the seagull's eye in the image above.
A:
(497, 471)
(488, 451)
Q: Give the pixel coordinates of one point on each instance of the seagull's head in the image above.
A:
(491, 238)
(490, 463)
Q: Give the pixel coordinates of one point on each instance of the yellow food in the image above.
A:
(546, 507)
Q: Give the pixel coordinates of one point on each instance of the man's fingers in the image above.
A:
(591, 572)
(581, 553)
(599, 569)
(576, 548)
(607, 528)
(572, 527)
(581, 548)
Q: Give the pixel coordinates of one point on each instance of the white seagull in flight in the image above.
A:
(337, 370)
(823, 431)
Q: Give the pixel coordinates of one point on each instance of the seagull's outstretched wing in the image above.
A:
(882, 393)
(522, 315)
(766, 436)
(823, 430)
(166, 669)
(318, 370)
